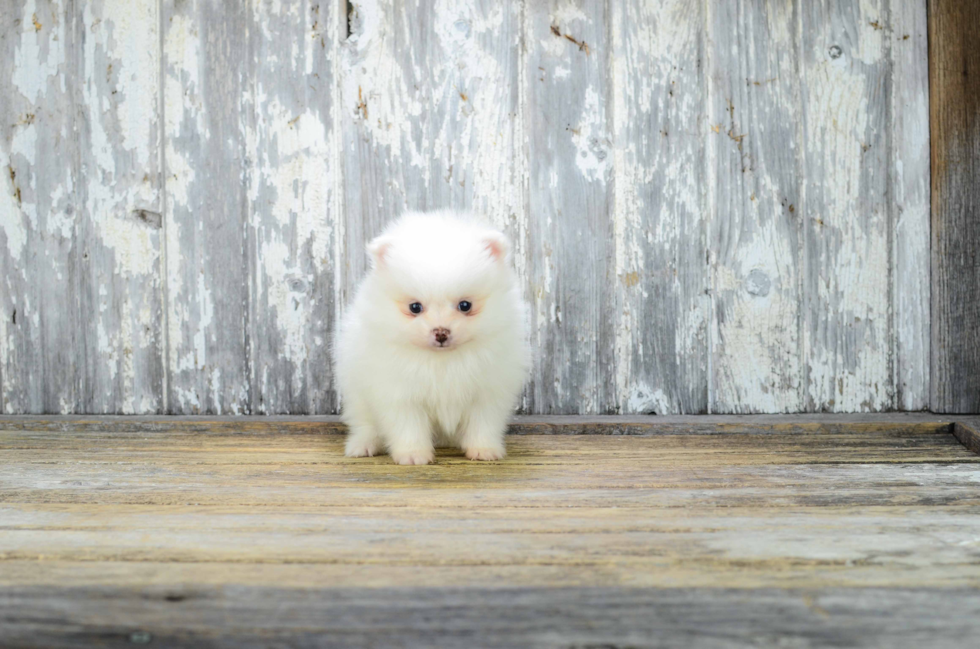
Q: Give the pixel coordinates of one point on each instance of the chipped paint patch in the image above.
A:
(297, 187)
(644, 400)
(39, 57)
(11, 216)
(590, 140)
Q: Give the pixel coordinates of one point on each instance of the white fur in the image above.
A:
(401, 392)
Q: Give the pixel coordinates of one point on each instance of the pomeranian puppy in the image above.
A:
(432, 350)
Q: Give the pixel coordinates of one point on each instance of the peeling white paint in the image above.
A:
(446, 131)
(448, 122)
(644, 400)
(657, 111)
(846, 337)
(118, 148)
(11, 216)
(295, 200)
(39, 58)
(590, 139)
(22, 147)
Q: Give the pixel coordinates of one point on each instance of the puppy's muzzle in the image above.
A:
(441, 336)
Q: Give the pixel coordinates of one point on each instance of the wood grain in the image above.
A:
(570, 198)
(909, 182)
(636, 509)
(39, 352)
(119, 331)
(490, 617)
(754, 187)
(295, 209)
(968, 433)
(846, 256)
(205, 78)
(662, 310)
(836, 534)
(954, 82)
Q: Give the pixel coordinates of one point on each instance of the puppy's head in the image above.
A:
(442, 279)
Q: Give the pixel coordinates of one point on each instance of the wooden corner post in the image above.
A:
(954, 116)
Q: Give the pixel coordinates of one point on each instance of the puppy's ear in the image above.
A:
(497, 245)
(379, 249)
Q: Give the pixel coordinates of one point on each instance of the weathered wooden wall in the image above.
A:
(717, 206)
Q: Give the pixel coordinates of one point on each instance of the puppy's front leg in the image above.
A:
(483, 437)
(409, 434)
(362, 436)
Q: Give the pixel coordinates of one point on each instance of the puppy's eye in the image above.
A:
(415, 307)
(465, 306)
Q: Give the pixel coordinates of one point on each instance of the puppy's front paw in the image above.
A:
(362, 442)
(413, 457)
(485, 453)
(361, 450)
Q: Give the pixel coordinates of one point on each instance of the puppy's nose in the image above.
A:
(441, 334)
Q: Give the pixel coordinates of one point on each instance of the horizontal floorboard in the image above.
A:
(498, 617)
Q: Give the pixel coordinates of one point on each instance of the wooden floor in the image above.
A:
(700, 532)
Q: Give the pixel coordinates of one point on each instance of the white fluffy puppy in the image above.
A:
(432, 350)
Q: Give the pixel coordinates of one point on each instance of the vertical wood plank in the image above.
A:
(847, 329)
(430, 117)
(570, 195)
(661, 272)
(909, 173)
(205, 78)
(120, 329)
(754, 190)
(294, 198)
(38, 155)
(954, 83)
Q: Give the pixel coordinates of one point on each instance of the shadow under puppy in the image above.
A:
(432, 350)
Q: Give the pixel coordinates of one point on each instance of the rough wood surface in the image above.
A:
(658, 219)
(570, 198)
(754, 188)
(716, 206)
(909, 182)
(954, 82)
(119, 215)
(495, 617)
(205, 55)
(844, 536)
(294, 203)
(968, 433)
(845, 81)
(39, 353)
